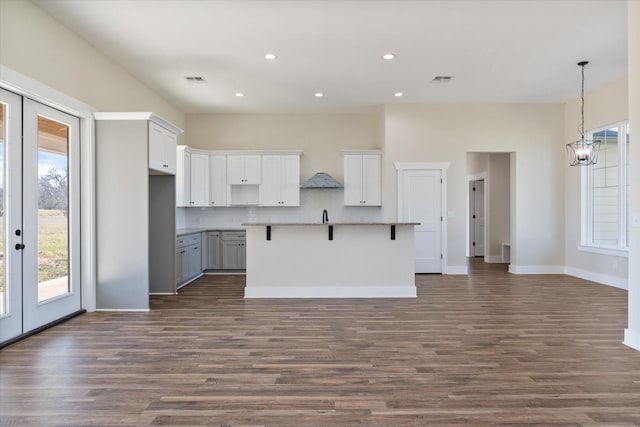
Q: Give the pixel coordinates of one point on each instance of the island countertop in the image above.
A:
(273, 224)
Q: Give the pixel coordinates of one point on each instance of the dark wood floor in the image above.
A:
(485, 349)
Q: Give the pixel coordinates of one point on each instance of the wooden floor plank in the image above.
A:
(486, 349)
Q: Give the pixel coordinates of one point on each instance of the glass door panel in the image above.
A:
(53, 209)
(51, 212)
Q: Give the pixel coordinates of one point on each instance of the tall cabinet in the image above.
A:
(135, 205)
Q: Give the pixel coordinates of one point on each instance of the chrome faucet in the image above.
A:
(325, 216)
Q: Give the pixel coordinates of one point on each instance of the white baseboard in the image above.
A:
(494, 259)
(605, 279)
(162, 293)
(456, 269)
(123, 309)
(631, 339)
(330, 292)
(536, 269)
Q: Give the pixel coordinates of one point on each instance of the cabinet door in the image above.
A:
(169, 142)
(271, 186)
(213, 251)
(195, 260)
(252, 169)
(290, 176)
(353, 180)
(232, 255)
(218, 180)
(199, 179)
(182, 265)
(162, 149)
(235, 170)
(371, 179)
(156, 148)
(183, 178)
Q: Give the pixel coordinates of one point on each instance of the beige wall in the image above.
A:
(632, 334)
(37, 46)
(445, 133)
(604, 106)
(320, 136)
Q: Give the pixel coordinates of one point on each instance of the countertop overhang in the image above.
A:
(274, 224)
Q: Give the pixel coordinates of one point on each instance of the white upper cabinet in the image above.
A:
(162, 149)
(217, 180)
(199, 179)
(362, 178)
(243, 169)
(192, 178)
(280, 180)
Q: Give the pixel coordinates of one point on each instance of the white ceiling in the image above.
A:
(498, 51)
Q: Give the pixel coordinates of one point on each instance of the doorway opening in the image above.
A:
(489, 206)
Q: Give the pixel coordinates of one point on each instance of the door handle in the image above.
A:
(19, 246)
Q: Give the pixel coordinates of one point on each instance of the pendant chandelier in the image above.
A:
(583, 152)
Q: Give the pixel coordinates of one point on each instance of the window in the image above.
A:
(606, 190)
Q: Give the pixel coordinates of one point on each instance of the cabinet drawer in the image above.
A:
(234, 235)
(189, 239)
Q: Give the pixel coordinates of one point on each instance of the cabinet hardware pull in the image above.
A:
(19, 246)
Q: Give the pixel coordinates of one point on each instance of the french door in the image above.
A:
(39, 215)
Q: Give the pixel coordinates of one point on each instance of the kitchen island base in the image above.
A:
(330, 261)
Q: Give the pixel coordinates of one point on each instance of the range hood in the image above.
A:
(321, 180)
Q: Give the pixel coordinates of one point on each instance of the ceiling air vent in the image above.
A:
(441, 79)
(195, 79)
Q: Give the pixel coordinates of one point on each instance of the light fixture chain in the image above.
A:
(582, 109)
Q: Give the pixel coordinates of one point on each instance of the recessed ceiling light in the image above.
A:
(318, 94)
(389, 56)
(270, 56)
(398, 94)
(239, 94)
(195, 79)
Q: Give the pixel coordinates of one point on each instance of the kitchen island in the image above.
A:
(332, 260)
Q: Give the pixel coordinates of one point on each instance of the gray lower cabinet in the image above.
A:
(214, 261)
(234, 250)
(188, 258)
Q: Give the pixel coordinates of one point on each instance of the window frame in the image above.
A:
(587, 215)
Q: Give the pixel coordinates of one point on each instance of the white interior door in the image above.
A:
(478, 218)
(422, 202)
(41, 234)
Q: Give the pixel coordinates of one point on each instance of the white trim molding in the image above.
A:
(330, 292)
(631, 339)
(536, 269)
(604, 279)
(494, 259)
(456, 269)
(622, 253)
(421, 165)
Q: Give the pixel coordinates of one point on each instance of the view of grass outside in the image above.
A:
(53, 254)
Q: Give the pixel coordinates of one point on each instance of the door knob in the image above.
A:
(19, 246)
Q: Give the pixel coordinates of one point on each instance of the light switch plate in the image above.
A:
(635, 219)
